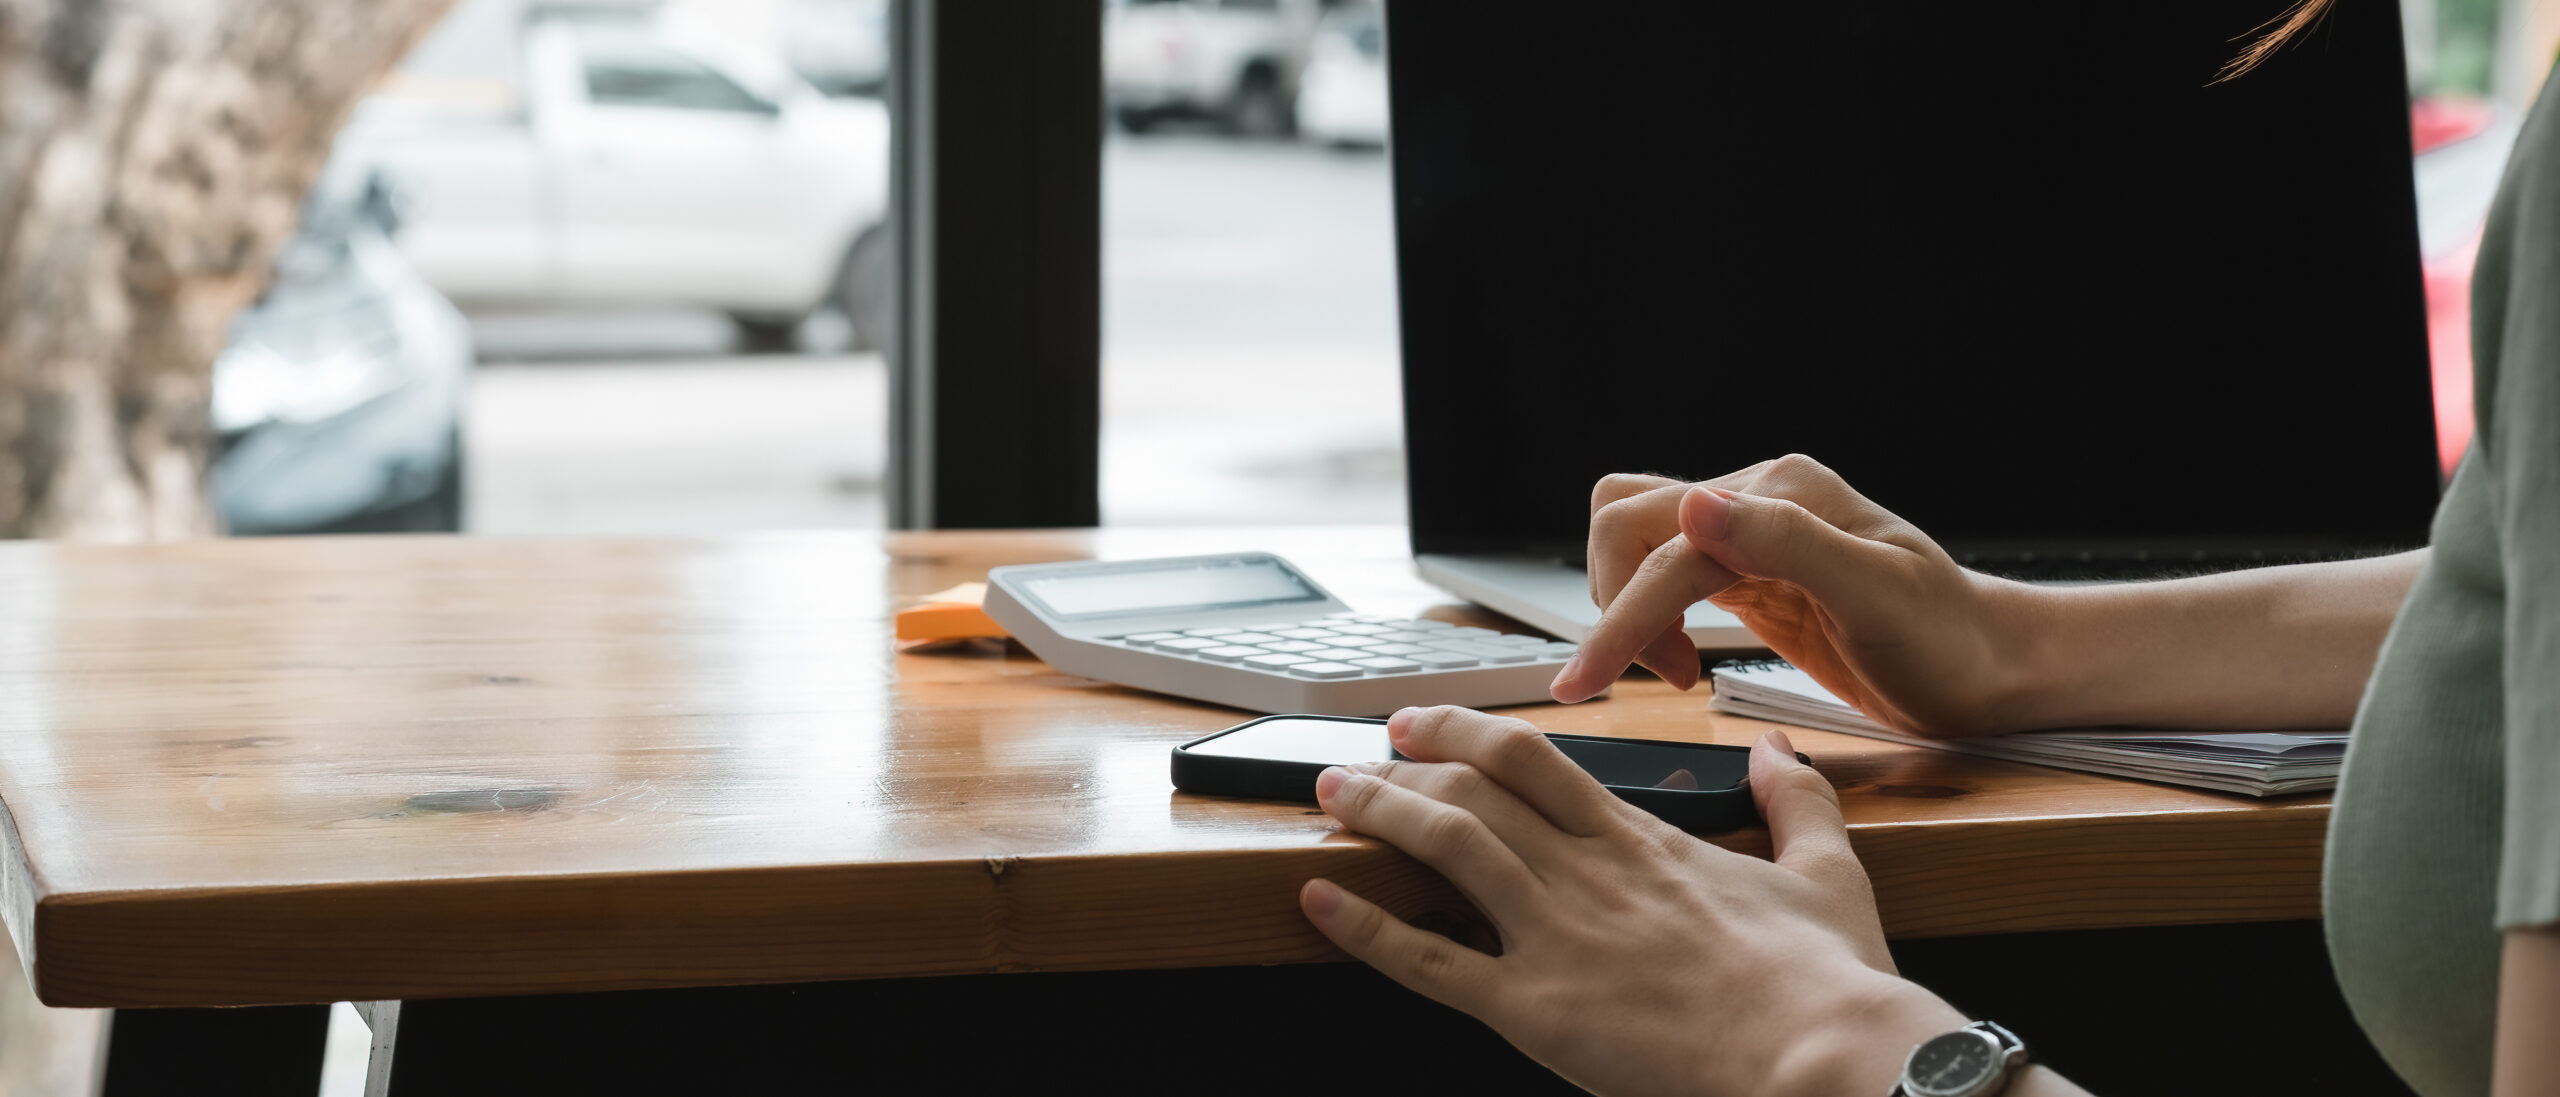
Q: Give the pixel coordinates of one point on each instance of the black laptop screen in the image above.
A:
(2017, 269)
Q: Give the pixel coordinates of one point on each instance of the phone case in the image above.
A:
(1261, 778)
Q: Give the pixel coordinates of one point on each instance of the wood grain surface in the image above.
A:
(263, 771)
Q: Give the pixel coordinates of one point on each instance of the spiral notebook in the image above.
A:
(2254, 763)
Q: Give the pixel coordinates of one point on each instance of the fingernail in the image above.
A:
(1320, 898)
(1329, 780)
(1779, 742)
(1401, 724)
(1712, 516)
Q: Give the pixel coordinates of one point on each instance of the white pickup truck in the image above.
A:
(604, 161)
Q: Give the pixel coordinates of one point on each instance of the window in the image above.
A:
(587, 321)
(1250, 364)
(2473, 70)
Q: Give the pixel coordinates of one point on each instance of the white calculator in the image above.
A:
(1252, 631)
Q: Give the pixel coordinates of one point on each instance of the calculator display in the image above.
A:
(1206, 585)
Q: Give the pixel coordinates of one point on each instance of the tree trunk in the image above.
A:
(153, 157)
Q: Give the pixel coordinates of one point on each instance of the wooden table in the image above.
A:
(372, 769)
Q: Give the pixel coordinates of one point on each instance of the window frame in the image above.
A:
(995, 200)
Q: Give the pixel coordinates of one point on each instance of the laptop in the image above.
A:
(2022, 272)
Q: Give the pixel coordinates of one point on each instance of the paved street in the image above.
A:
(1249, 375)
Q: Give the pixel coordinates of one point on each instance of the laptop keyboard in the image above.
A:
(1352, 645)
(2100, 566)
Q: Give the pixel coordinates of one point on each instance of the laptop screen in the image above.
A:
(2018, 270)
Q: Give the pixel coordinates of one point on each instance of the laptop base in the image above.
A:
(1555, 597)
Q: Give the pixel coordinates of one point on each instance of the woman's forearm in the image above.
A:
(2279, 647)
(2528, 1012)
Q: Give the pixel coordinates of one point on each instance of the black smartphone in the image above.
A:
(1693, 786)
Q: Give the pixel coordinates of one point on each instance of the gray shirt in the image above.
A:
(2446, 830)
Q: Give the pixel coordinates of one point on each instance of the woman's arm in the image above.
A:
(2281, 647)
(2528, 1013)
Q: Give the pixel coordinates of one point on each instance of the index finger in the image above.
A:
(1673, 578)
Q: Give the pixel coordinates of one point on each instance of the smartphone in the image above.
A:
(1693, 786)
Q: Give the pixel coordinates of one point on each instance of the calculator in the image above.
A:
(1251, 631)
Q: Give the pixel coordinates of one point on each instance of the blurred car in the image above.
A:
(597, 157)
(1342, 94)
(1233, 62)
(337, 406)
(2462, 152)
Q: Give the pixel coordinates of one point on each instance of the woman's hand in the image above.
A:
(1852, 595)
(1635, 958)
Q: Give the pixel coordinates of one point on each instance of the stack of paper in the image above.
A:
(2257, 763)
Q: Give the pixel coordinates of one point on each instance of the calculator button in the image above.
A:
(1442, 660)
(1291, 647)
(1209, 631)
(1387, 665)
(1325, 670)
(1406, 637)
(1354, 641)
(1150, 637)
(1230, 654)
(1470, 632)
(1248, 638)
(1187, 643)
(1519, 640)
(1338, 655)
(1397, 649)
(1361, 629)
(1276, 659)
(1559, 650)
(1306, 633)
(1427, 626)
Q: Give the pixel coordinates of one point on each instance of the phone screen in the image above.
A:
(1624, 764)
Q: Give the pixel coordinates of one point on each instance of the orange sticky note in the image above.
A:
(949, 615)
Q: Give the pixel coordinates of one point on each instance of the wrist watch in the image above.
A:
(1974, 1061)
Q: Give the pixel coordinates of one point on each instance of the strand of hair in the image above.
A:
(2288, 24)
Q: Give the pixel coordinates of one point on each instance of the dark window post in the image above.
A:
(995, 192)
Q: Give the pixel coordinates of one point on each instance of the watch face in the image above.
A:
(1953, 1064)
